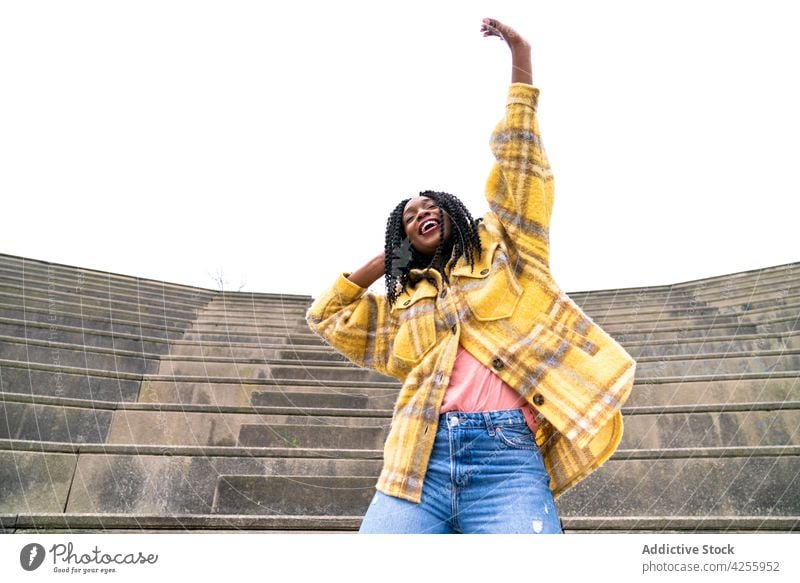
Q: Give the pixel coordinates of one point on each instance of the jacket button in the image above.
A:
(484, 272)
(538, 400)
(454, 328)
(443, 294)
(405, 303)
(497, 363)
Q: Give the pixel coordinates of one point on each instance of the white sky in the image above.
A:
(269, 141)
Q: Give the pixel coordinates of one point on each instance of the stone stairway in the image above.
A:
(138, 405)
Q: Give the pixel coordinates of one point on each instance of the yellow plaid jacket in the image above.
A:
(507, 311)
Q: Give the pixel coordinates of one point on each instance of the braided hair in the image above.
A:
(401, 257)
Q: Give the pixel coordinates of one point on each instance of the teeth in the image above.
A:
(427, 226)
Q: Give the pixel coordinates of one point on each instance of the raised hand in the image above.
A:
(520, 49)
(492, 27)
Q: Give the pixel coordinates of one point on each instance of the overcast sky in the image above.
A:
(268, 142)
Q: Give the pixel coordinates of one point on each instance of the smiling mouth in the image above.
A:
(428, 226)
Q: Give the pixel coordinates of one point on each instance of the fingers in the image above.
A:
(492, 27)
(489, 27)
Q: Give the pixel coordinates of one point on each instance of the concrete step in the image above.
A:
(42, 422)
(271, 369)
(764, 362)
(747, 482)
(315, 436)
(35, 481)
(760, 362)
(712, 425)
(729, 345)
(621, 488)
(706, 319)
(708, 390)
(681, 524)
(294, 495)
(75, 335)
(193, 383)
(780, 326)
(156, 427)
(379, 395)
(693, 393)
(311, 347)
(733, 299)
(664, 489)
(647, 367)
(719, 312)
(96, 281)
(58, 353)
(782, 319)
(238, 323)
(77, 354)
(724, 283)
(71, 302)
(310, 400)
(265, 350)
(143, 482)
(668, 430)
(174, 329)
(641, 335)
(252, 330)
(266, 337)
(243, 300)
(88, 523)
(216, 313)
(186, 485)
(69, 382)
(80, 277)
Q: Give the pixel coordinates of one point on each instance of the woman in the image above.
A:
(511, 394)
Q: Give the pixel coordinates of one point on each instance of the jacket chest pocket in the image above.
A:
(416, 333)
(491, 290)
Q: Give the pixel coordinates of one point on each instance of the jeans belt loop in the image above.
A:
(489, 425)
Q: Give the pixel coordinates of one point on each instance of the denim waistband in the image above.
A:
(482, 419)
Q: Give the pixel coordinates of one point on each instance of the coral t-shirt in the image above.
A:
(473, 387)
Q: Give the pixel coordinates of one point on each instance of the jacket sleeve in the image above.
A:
(520, 186)
(355, 322)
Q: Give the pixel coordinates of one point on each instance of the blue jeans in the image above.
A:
(485, 475)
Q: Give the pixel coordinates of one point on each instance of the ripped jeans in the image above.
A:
(485, 475)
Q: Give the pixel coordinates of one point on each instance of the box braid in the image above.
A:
(401, 257)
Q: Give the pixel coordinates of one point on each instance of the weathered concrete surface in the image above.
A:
(297, 399)
(312, 436)
(766, 389)
(735, 486)
(53, 423)
(741, 428)
(294, 495)
(77, 356)
(220, 429)
(57, 382)
(35, 482)
(182, 484)
(243, 395)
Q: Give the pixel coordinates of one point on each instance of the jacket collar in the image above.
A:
(483, 264)
(490, 239)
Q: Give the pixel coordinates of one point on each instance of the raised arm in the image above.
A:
(370, 272)
(354, 321)
(520, 186)
(521, 70)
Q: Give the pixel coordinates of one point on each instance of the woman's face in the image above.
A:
(421, 222)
